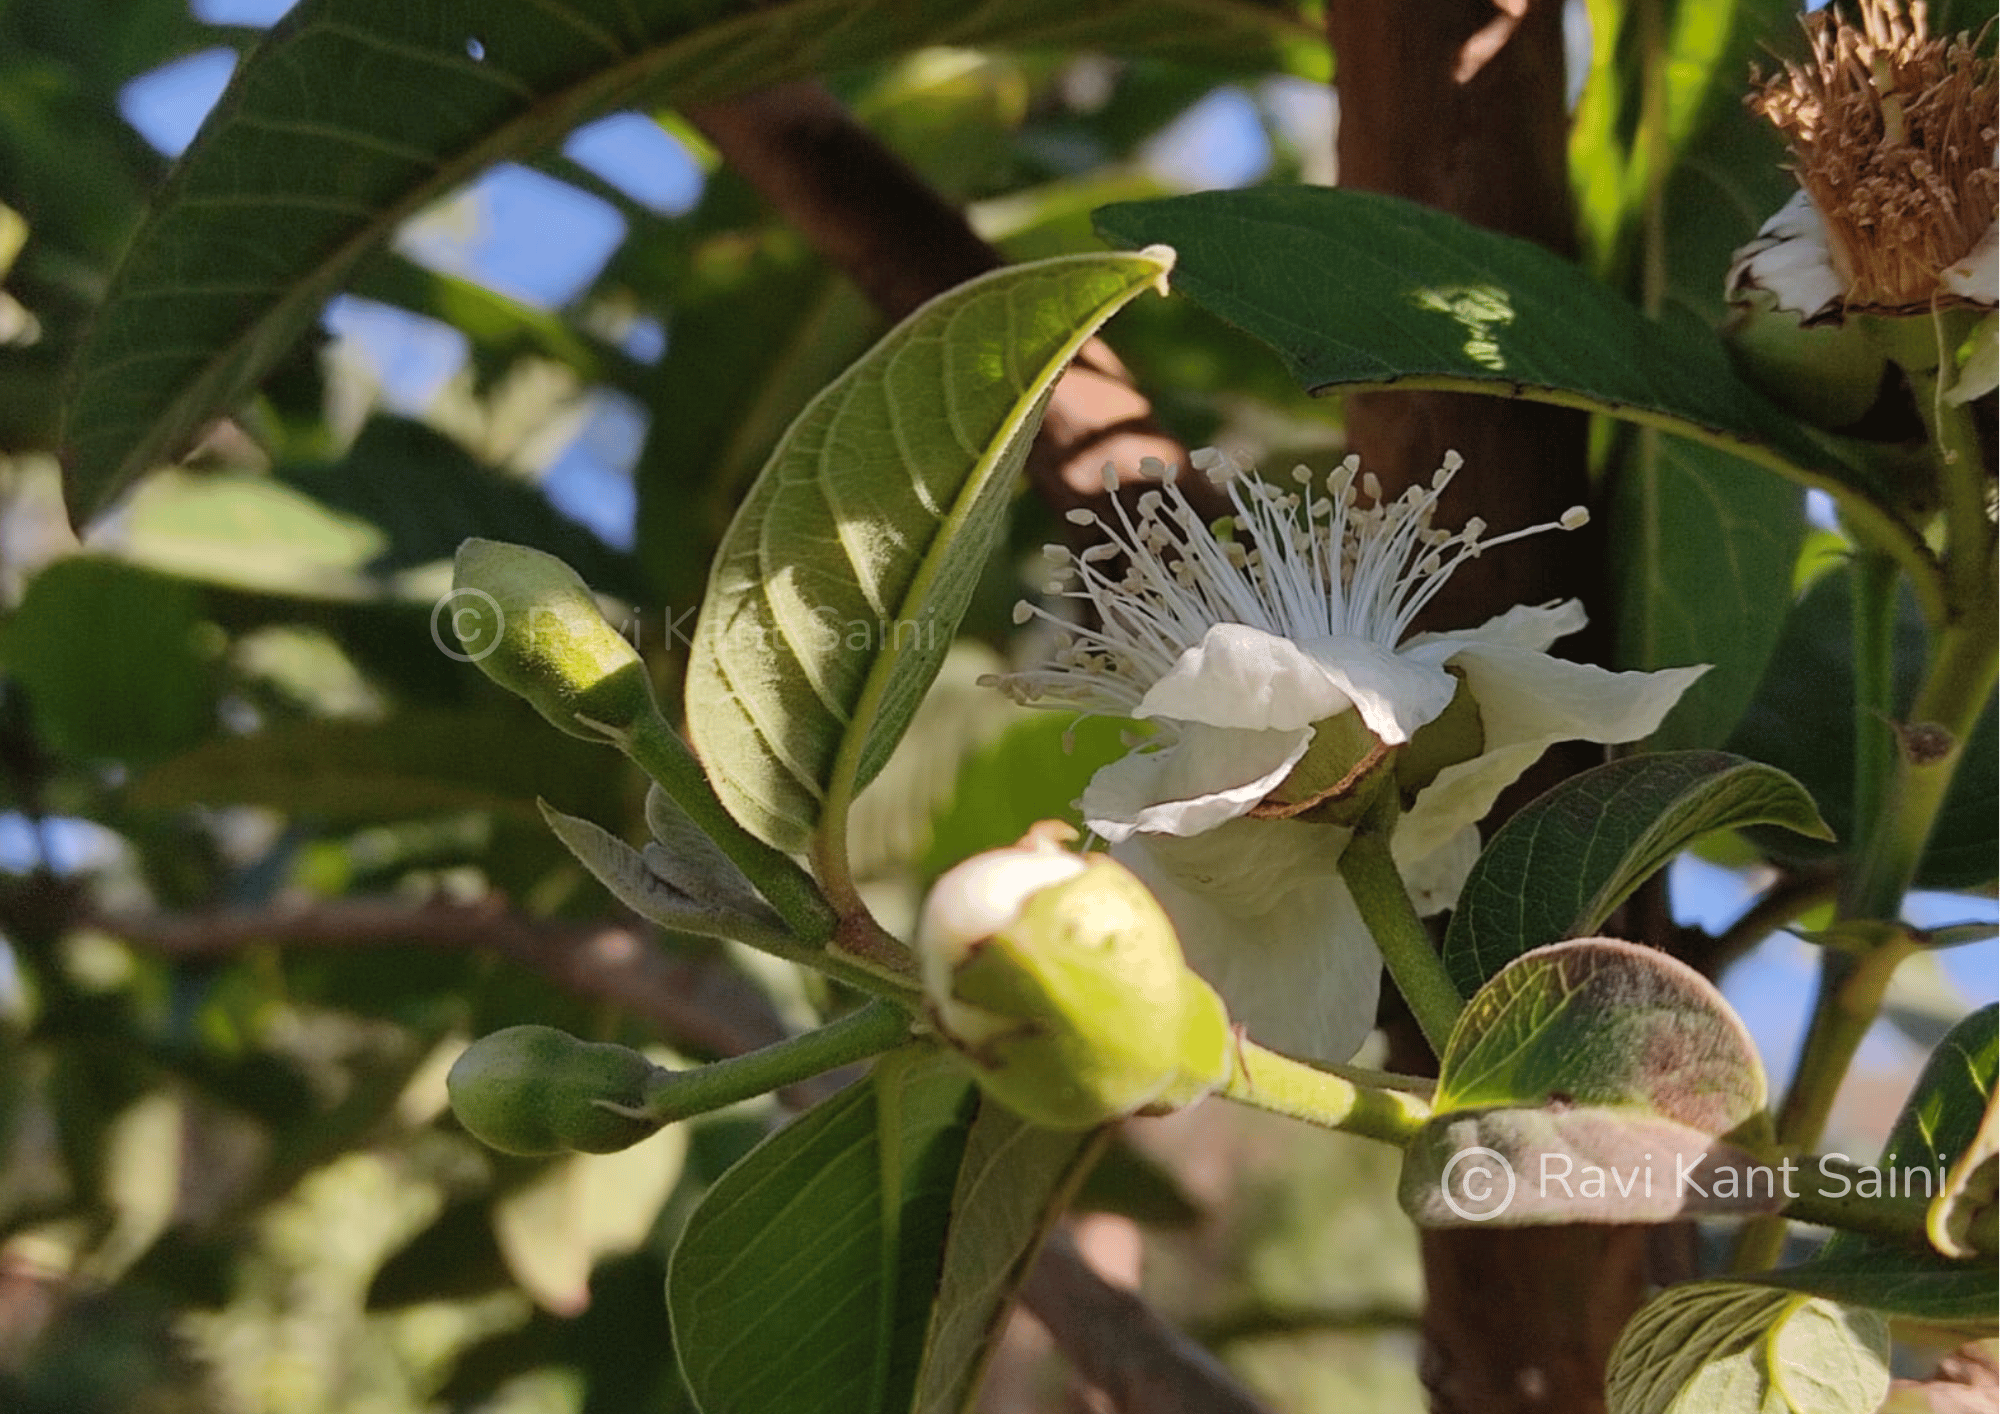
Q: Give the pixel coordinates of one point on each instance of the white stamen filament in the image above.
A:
(1305, 564)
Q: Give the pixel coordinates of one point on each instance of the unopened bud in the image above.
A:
(553, 645)
(1058, 977)
(537, 1090)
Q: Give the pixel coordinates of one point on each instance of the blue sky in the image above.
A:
(543, 241)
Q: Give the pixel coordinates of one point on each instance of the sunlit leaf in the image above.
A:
(1590, 1081)
(838, 588)
(1721, 1347)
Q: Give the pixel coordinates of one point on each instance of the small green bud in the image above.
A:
(1827, 375)
(1058, 977)
(532, 626)
(537, 1090)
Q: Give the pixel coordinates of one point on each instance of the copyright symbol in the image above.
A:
(470, 612)
(1479, 1184)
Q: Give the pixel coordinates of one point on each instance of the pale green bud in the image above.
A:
(1058, 977)
(537, 1090)
(531, 624)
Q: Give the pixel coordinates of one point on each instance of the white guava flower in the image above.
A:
(1239, 651)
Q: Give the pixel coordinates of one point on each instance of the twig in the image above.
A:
(1121, 1345)
(696, 1001)
(870, 214)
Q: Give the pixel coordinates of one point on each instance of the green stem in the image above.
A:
(1960, 680)
(1900, 1219)
(1852, 985)
(1269, 1081)
(875, 1028)
(1371, 876)
(1874, 615)
(1961, 468)
(657, 749)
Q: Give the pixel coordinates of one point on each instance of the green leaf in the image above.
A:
(554, 1229)
(1703, 544)
(1802, 721)
(1725, 164)
(1940, 1123)
(805, 1281)
(1721, 1347)
(427, 494)
(837, 590)
(1012, 1187)
(1359, 290)
(1034, 770)
(107, 656)
(415, 763)
(1590, 1081)
(316, 154)
(706, 895)
(1559, 867)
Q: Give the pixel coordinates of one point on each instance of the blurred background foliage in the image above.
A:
(268, 857)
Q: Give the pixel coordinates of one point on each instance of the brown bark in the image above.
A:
(1459, 104)
(869, 214)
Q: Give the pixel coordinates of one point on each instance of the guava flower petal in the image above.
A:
(1433, 877)
(1977, 276)
(1791, 261)
(1205, 777)
(1530, 626)
(1263, 915)
(1528, 701)
(1239, 676)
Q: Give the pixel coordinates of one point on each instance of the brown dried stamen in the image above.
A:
(1892, 135)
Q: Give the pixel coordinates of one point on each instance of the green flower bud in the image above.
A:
(532, 626)
(1059, 979)
(537, 1090)
(1828, 375)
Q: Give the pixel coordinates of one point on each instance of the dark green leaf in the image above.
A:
(1359, 290)
(1703, 545)
(316, 154)
(1558, 867)
(107, 656)
(806, 1279)
(427, 494)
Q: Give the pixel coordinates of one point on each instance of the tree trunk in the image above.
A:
(1459, 104)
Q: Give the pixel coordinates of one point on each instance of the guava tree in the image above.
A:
(1393, 722)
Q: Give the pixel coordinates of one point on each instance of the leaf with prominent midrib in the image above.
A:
(1356, 289)
(1721, 1347)
(804, 1281)
(351, 115)
(841, 581)
(1012, 1186)
(1590, 841)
